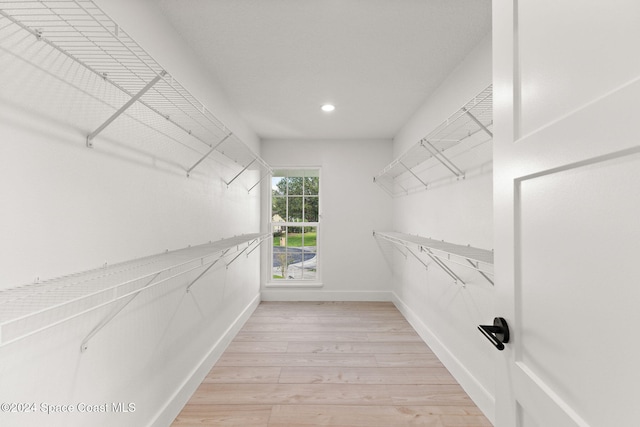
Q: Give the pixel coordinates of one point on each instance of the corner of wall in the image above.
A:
(183, 393)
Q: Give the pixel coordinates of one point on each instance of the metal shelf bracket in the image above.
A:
(478, 122)
(264, 175)
(414, 175)
(85, 342)
(439, 156)
(256, 246)
(241, 172)
(476, 266)
(443, 266)
(214, 262)
(208, 153)
(259, 240)
(124, 108)
(418, 258)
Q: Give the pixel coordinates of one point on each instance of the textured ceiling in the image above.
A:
(376, 60)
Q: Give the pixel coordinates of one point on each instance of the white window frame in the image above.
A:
(289, 283)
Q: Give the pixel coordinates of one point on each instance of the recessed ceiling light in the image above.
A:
(327, 108)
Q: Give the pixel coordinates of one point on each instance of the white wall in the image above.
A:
(67, 208)
(351, 205)
(457, 211)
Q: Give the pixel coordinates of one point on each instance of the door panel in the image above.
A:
(564, 63)
(577, 235)
(538, 404)
(567, 212)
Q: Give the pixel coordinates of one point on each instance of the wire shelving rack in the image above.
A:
(442, 253)
(81, 31)
(402, 176)
(30, 309)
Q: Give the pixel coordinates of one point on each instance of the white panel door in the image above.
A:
(567, 211)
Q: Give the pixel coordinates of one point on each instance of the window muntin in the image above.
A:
(295, 216)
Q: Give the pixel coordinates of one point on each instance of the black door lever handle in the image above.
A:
(498, 333)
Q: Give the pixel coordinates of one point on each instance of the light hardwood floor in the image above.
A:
(335, 364)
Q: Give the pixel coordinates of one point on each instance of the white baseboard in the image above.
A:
(476, 391)
(280, 294)
(182, 395)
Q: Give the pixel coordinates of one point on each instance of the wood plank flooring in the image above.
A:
(340, 364)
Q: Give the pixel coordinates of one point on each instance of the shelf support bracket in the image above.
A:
(122, 109)
(478, 122)
(443, 266)
(214, 262)
(240, 173)
(418, 258)
(85, 342)
(257, 246)
(439, 156)
(236, 257)
(476, 267)
(442, 158)
(264, 175)
(208, 153)
(414, 175)
(394, 244)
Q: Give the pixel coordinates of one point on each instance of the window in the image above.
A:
(295, 217)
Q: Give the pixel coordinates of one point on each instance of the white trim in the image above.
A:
(176, 402)
(310, 295)
(474, 388)
(292, 284)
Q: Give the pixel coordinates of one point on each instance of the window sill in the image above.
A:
(293, 284)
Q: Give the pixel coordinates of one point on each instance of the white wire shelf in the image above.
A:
(80, 30)
(29, 309)
(402, 176)
(443, 253)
